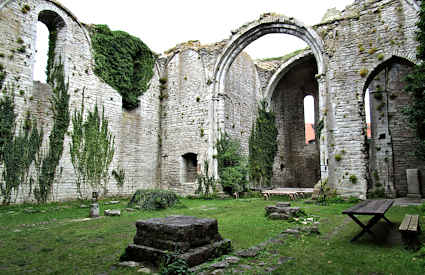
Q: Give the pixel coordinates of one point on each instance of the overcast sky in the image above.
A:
(162, 24)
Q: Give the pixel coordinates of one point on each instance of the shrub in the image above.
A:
(173, 265)
(232, 167)
(153, 199)
(206, 184)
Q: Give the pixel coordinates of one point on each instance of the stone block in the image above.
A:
(413, 183)
(94, 210)
(193, 239)
(290, 211)
(176, 232)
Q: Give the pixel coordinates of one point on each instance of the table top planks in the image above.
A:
(370, 207)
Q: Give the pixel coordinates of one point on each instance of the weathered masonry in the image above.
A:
(163, 143)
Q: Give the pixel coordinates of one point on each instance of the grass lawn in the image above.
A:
(54, 241)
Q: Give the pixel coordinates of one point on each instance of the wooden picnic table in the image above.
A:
(292, 193)
(375, 208)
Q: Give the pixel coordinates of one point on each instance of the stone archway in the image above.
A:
(241, 38)
(392, 141)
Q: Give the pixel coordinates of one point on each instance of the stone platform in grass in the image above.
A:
(282, 211)
(196, 240)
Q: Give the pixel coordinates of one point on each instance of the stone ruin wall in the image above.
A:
(136, 132)
(296, 163)
(152, 140)
(371, 33)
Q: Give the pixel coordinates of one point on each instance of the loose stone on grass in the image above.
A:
(247, 253)
(109, 212)
(129, 264)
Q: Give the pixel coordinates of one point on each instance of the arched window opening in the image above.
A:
(310, 136)
(190, 165)
(41, 50)
(49, 31)
(367, 112)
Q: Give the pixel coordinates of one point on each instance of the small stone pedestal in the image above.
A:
(413, 185)
(94, 210)
(196, 240)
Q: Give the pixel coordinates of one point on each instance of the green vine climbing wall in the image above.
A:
(416, 87)
(263, 147)
(123, 61)
(61, 118)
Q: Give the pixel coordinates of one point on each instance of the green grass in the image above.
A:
(52, 242)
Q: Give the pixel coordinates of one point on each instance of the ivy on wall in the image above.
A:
(17, 151)
(416, 87)
(263, 147)
(2, 75)
(60, 107)
(91, 149)
(123, 61)
(53, 36)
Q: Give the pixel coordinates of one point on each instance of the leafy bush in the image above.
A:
(232, 167)
(206, 184)
(173, 265)
(153, 199)
(123, 61)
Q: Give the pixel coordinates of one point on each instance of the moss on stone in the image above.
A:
(123, 61)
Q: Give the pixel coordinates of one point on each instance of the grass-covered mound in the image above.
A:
(152, 199)
(123, 61)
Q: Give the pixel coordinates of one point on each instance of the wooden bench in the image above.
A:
(409, 229)
(410, 224)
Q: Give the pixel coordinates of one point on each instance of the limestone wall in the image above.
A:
(370, 33)
(296, 163)
(212, 88)
(135, 132)
(184, 118)
(242, 95)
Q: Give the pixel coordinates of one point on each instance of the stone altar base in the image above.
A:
(193, 239)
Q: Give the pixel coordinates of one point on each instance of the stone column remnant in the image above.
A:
(193, 239)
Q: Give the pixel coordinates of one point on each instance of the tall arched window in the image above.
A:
(42, 49)
(50, 35)
(310, 136)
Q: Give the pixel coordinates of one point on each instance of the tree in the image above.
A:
(262, 147)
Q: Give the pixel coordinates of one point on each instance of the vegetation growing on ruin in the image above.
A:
(287, 56)
(59, 101)
(415, 87)
(2, 75)
(206, 183)
(53, 36)
(123, 61)
(19, 146)
(263, 147)
(232, 167)
(91, 149)
(153, 199)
